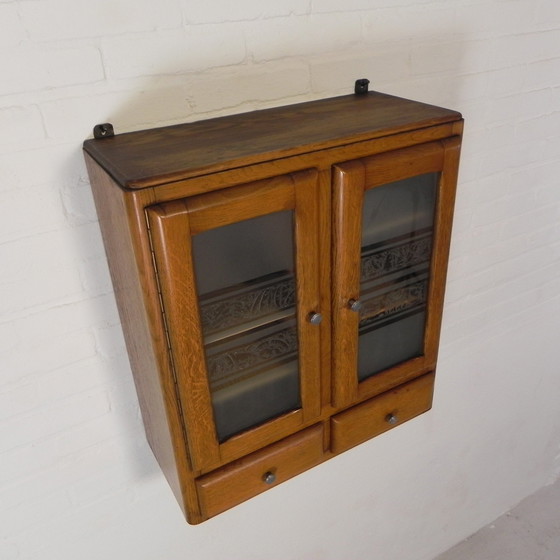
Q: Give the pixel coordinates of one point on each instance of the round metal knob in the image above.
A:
(269, 477)
(391, 418)
(315, 318)
(355, 305)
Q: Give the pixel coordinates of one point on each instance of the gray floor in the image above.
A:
(531, 531)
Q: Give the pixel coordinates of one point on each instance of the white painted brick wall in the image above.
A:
(32, 68)
(174, 52)
(59, 20)
(77, 479)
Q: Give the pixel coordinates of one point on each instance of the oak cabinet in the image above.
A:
(280, 277)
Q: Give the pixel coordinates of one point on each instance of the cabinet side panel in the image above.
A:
(137, 300)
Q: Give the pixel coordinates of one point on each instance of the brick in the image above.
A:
(548, 12)
(384, 26)
(36, 68)
(78, 205)
(476, 56)
(463, 285)
(496, 17)
(33, 512)
(69, 380)
(389, 25)
(542, 238)
(21, 127)
(479, 142)
(528, 222)
(527, 48)
(12, 31)
(340, 72)
(487, 322)
(42, 270)
(175, 52)
(435, 58)
(95, 277)
(489, 189)
(468, 87)
(8, 551)
(57, 352)
(94, 19)
(428, 89)
(537, 128)
(18, 399)
(67, 530)
(318, 34)
(9, 339)
(37, 167)
(544, 179)
(127, 110)
(34, 287)
(524, 105)
(242, 10)
(100, 484)
(64, 319)
(515, 288)
(30, 211)
(54, 461)
(247, 85)
(49, 420)
(554, 104)
(502, 82)
(330, 6)
(101, 436)
(22, 461)
(514, 156)
(501, 209)
(110, 341)
(543, 74)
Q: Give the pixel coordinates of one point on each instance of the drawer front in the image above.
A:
(373, 417)
(260, 471)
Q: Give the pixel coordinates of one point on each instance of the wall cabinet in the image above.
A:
(280, 278)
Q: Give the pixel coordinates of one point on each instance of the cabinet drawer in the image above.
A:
(364, 421)
(260, 471)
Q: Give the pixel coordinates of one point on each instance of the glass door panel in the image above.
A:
(245, 276)
(396, 249)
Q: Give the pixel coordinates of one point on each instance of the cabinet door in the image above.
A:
(393, 216)
(238, 276)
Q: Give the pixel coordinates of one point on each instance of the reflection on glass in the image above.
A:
(246, 285)
(397, 229)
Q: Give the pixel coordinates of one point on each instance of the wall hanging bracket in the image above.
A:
(104, 130)
(361, 86)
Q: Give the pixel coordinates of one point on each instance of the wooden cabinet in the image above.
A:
(280, 278)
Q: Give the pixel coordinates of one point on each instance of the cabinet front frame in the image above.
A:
(350, 182)
(172, 225)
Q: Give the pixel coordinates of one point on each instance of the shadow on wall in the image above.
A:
(403, 69)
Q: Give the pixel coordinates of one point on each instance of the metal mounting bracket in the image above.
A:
(104, 130)
(361, 86)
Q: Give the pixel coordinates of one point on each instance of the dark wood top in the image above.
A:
(152, 157)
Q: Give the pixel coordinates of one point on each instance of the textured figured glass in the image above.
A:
(246, 285)
(397, 231)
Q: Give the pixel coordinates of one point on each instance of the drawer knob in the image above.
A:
(391, 418)
(355, 305)
(315, 318)
(269, 477)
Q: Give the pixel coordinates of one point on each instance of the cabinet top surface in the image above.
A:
(152, 157)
